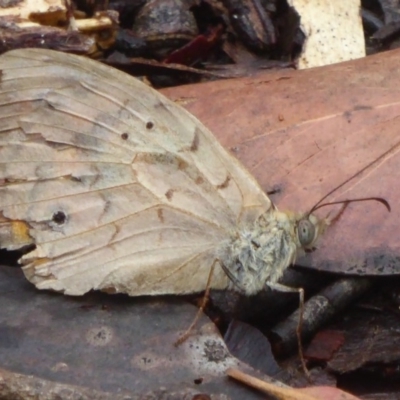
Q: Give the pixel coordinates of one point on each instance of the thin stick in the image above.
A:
(298, 333)
(200, 310)
(278, 392)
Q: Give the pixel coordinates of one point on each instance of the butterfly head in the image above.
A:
(308, 229)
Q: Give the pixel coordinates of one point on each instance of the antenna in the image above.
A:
(379, 199)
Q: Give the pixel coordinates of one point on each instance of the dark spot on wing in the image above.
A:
(149, 125)
(195, 142)
(59, 217)
(169, 193)
(224, 184)
(160, 215)
(107, 205)
(199, 180)
(162, 158)
(194, 146)
(124, 136)
(76, 178)
(115, 234)
(11, 180)
(182, 165)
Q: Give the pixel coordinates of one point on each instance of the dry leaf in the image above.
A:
(116, 344)
(302, 133)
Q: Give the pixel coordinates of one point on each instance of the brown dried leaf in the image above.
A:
(303, 133)
(113, 344)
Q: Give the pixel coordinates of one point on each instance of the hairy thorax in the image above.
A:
(258, 255)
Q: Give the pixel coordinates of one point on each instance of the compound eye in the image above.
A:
(305, 232)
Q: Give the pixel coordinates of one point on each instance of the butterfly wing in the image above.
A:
(117, 187)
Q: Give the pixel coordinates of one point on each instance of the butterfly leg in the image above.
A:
(201, 309)
(287, 289)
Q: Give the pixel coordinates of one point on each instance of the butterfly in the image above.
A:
(111, 186)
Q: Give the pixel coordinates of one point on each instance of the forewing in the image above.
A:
(119, 188)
